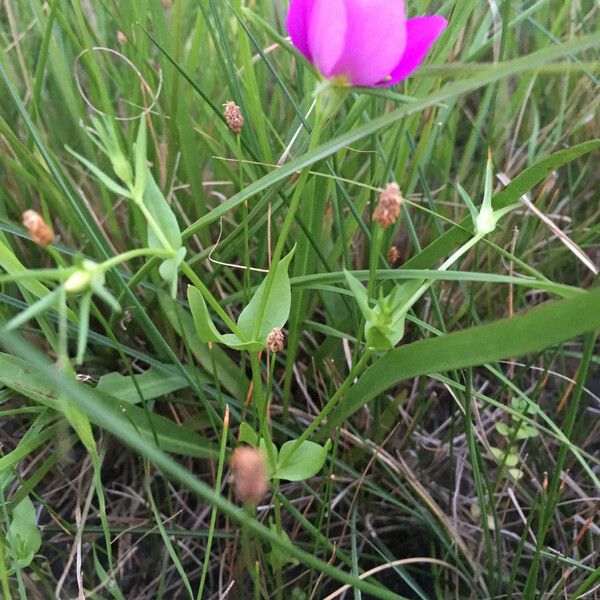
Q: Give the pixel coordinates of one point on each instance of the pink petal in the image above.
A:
(298, 19)
(421, 33)
(327, 34)
(366, 38)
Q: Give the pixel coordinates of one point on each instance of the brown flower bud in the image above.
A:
(234, 117)
(167, 4)
(38, 230)
(388, 208)
(393, 255)
(121, 38)
(249, 474)
(276, 340)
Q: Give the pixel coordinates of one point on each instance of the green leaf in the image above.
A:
(18, 375)
(360, 294)
(305, 462)
(153, 383)
(526, 431)
(112, 185)
(24, 533)
(502, 429)
(160, 210)
(248, 435)
(497, 453)
(205, 328)
(109, 583)
(512, 459)
(542, 327)
(233, 341)
(516, 474)
(169, 270)
(276, 557)
(277, 306)
(262, 446)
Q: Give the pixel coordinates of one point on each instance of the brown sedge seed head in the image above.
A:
(233, 117)
(39, 231)
(388, 208)
(276, 340)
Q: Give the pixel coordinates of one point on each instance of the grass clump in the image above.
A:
(258, 341)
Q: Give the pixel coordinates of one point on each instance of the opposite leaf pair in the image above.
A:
(268, 309)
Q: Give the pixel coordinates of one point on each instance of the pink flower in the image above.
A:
(363, 42)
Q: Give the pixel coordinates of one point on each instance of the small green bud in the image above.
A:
(81, 280)
(78, 282)
(486, 221)
(122, 168)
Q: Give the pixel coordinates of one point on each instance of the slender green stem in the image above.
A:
(374, 258)
(4, 573)
(261, 407)
(279, 528)
(354, 372)
(444, 267)
(213, 514)
(155, 226)
(99, 489)
(289, 219)
(131, 254)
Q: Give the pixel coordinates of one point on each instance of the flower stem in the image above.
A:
(131, 254)
(341, 391)
(289, 219)
(444, 267)
(213, 515)
(261, 407)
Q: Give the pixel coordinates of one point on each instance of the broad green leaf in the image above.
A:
(164, 217)
(233, 341)
(18, 375)
(512, 459)
(516, 474)
(269, 456)
(502, 429)
(525, 431)
(497, 453)
(542, 327)
(153, 383)
(248, 435)
(305, 462)
(160, 210)
(24, 533)
(205, 328)
(277, 306)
